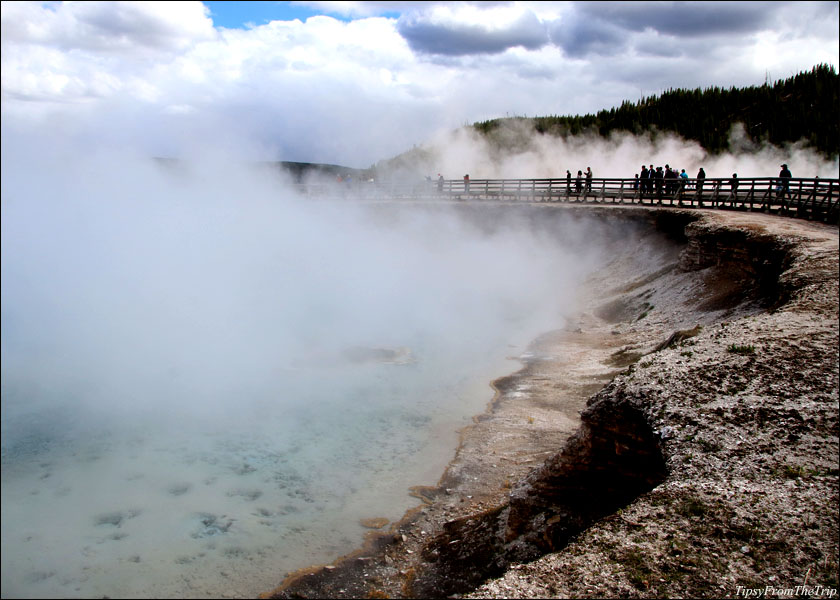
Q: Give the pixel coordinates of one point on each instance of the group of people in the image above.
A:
(669, 181)
(581, 180)
(651, 181)
(440, 181)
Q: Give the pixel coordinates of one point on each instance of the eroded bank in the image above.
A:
(707, 454)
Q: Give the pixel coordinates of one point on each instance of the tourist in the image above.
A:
(588, 180)
(670, 180)
(644, 181)
(701, 178)
(651, 177)
(659, 176)
(577, 182)
(784, 182)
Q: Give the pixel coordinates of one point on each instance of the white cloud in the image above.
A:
(72, 52)
(107, 26)
(356, 91)
(469, 30)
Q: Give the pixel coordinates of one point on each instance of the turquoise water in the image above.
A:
(203, 390)
(198, 506)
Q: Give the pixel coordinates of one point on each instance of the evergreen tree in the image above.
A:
(802, 107)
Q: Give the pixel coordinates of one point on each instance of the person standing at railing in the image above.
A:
(588, 180)
(683, 181)
(651, 180)
(782, 190)
(643, 181)
(660, 179)
(568, 182)
(733, 186)
(701, 178)
(440, 183)
(670, 180)
(467, 183)
(577, 182)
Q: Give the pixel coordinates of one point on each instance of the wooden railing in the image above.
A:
(814, 199)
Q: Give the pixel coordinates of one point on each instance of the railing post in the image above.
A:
(799, 208)
(811, 201)
(751, 195)
(770, 195)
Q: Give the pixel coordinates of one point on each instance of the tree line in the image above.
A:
(803, 107)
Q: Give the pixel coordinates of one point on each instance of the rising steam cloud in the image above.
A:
(188, 326)
(128, 285)
(122, 279)
(514, 151)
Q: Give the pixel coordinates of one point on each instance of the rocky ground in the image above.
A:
(678, 439)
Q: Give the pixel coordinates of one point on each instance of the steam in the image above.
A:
(205, 324)
(134, 288)
(130, 283)
(127, 283)
(514, 151)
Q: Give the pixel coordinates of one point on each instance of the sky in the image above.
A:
(353, 83)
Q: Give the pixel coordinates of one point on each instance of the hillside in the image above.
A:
(301, 171)
(297, 172)
(799, 109)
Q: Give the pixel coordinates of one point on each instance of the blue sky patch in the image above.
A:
(237, 15)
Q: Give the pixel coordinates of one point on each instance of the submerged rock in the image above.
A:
(366, 354)
(374, 523)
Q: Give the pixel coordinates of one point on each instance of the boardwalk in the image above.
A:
(813, 199)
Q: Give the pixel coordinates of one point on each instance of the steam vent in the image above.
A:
(677, 438)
